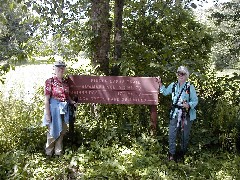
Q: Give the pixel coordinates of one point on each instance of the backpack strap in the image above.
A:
(173, 88)
(188, 89)
(173, 93)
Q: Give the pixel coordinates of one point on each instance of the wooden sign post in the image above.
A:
(116, 90)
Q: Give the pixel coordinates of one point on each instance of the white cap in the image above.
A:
(59, 64)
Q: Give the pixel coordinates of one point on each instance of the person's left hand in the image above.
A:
(159, 81)
(74, 103)
(185, 105)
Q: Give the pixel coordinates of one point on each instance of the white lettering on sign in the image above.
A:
(99, 80)
(134, 81)
(116, 81)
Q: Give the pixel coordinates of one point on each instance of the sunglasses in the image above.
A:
(181, 74)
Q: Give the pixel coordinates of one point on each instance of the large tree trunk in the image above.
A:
(118, 11)
(101, 26)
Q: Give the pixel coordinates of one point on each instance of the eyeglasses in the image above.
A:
(181, 74)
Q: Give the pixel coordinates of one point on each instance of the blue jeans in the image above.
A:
(173, 130)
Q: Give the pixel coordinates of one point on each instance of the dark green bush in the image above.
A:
(218, 119)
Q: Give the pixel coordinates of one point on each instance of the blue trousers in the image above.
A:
(174, 129)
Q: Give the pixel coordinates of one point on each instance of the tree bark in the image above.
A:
(101, 27)
(118, 13)
(118, 28)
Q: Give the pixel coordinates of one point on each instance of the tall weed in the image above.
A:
(20, 125)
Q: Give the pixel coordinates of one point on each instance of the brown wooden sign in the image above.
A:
(116, 90)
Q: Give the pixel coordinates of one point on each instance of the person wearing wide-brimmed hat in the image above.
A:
(56, 113)
(183, 112)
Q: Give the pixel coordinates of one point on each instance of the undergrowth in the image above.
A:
(115, 141)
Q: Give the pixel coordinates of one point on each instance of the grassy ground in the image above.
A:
(228, 72)
(25, 79)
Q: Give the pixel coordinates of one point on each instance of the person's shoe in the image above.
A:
(58, 154)
(48, 156)
(181, 156)
(48, 153)
(171, 157)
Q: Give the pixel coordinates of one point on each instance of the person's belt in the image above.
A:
(59, 99)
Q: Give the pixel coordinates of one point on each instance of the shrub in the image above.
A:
(218, 111)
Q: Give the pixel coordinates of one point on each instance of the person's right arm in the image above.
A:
(47, 108)
(162, 89)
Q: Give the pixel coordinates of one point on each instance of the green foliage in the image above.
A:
(65, 22)
(157, 36)
(109, 124)
(226, 34)
(19, 125)
(115, 141)
(16, 29)
(160, 38)
(218, 111)
(3, 70)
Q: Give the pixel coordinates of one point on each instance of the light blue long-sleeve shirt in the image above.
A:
(191, 99)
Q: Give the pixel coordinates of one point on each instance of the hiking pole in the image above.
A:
(182, 129)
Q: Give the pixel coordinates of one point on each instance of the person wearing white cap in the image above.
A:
(183, 112)
(56, 113)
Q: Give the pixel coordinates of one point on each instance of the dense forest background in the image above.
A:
(121, 38)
